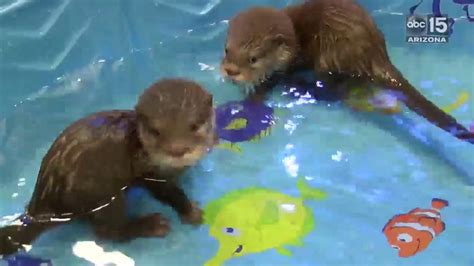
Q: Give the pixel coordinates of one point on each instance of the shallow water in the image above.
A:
(62, 59)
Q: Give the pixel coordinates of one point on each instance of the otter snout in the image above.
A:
(234, 73)
(230, 70)
(178, 150)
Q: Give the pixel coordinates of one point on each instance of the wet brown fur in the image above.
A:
(91, 163)
(335, 38)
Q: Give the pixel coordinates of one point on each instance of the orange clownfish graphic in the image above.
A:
(412, 232)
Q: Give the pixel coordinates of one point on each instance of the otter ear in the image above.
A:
(209, 100)
(137, 109)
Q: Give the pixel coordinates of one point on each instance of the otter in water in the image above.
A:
(91, 163)
(336, 38)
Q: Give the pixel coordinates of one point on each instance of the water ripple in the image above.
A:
(43, 29)
(5, 9)
(190, 8)
(56, 61)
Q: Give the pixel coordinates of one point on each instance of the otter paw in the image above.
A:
(194, 216)
(153, 225)
(7, 247)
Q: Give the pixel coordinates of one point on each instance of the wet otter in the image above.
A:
(86, 170)
(336, 38)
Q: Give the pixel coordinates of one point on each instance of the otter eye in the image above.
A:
(406, 238)
(194, 127)
(253, 60)
(155, 132)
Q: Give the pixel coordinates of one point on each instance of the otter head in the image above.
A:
(176, 123)
(260, 41)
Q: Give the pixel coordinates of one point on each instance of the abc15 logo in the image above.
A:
(427, 25)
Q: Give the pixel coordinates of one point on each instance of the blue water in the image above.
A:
(62, 59)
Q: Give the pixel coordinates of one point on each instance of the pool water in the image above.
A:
(62, 59)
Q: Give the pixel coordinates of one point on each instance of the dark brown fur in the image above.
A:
(336, 38)
(87, 168)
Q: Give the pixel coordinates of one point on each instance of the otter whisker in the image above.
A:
(249, 88)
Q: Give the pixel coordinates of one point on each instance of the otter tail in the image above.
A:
(14, 237)
(414, 100)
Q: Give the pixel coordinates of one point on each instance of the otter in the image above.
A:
(337, 39)
(89, 166)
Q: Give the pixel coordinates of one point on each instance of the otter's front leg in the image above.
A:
(260, 92)
(257, 96)
(112, 222)
(170, 193)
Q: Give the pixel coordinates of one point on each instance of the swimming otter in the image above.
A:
(336, 38)
(87, 168)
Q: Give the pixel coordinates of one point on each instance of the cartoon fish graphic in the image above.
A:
(256, 219)
(412, 232)
(230, 146)
(26, 260)
(372, 99)
(386, 102)
(236, 124)
(468, 15)
(462, 99)
(466, 4)
(239, 121)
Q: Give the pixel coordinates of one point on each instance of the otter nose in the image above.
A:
(178, 150)
(231, 71)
